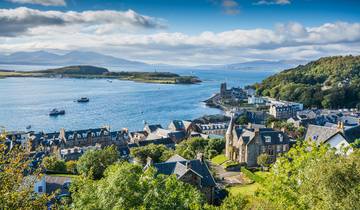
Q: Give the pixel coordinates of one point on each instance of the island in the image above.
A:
(93, 72)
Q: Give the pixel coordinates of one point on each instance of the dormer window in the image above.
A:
(281, 138)
(267, 139)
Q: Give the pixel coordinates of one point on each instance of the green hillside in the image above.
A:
(330, 82)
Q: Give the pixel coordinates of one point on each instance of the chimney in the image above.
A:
(149, 161)
(200, 156)
(250, 125)
(272, 125)
(340, 126)
(188, 165)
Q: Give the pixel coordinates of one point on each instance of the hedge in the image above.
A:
(251, 175)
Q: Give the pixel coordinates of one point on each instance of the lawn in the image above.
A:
(219, 159)
(248, 189)
(63, 175)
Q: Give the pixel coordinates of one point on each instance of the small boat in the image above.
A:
(110, 81)
(56, 112)
(28, 127)
(83, 100)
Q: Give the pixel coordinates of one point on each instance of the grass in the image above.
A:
(64, 175)
(247, 190)
(219, 159)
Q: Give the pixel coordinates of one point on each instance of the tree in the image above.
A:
(190, 148)
(313, 177)
(52, 163)
(234, 202)
(263, 160)
(158, 153)
(128, 186)
(16, 188)
(94, 162)
(71, 167)
(242, 120)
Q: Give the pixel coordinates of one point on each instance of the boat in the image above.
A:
(83, 100)
(109, 81)
(56, 112)
(28, 127)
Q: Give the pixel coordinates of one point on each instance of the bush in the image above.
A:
(54, 164)
(71, 167)
(251, 175)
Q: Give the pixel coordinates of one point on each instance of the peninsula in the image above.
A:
(93, 72)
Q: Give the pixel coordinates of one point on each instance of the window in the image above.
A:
(284, 147)
(278, 148)
(281, 138)
(263, 149)
(267, 139)
(40, 189)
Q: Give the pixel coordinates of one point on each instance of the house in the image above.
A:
(283, 111)
(337, 137)
(151, 128)
(213, 128)
(195, 172)
(255, 100)
(244, 145)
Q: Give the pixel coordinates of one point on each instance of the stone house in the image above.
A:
(195, 172)
(244, 145)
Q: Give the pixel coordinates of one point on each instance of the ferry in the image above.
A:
(56, 112)
(83, 100)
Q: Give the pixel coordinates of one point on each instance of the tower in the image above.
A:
(223, 89)
(229, 138)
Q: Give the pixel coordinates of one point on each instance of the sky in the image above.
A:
(184, 32)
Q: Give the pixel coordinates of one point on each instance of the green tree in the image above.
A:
(52, 163)
(313, 177)
(242, 120)
(94, 162)
(263, 160)
(128, 186)
(71, 166)
(158, 153)
(190, 148)
(14, 171)
(234, 202)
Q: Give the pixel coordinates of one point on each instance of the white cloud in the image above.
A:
(18, 21)
(271, 2)
(285, 41)
(41, 2)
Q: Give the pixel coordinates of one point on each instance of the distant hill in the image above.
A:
(262, 65)
(330, 82)
(71, 58)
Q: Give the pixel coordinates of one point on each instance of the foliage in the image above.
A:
(190, 148)
(53, 163)
(158, 153)
(331, 82)
(94, 162)
(251, 175)
(242, 120)
(71, 166)
(14, 168)
(219, 159)
(355, 144)
(234, 202)
(127, 186)
(230, 164)
(313, 177)
(263, 160)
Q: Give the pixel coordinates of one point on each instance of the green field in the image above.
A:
(248, 189)
(219, 159)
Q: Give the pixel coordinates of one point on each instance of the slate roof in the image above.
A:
(352, 133)
(164, 141)
(179, 125)
(320, 134)
(277, 137)
(179, 168)
(176, 158)
(153, 128)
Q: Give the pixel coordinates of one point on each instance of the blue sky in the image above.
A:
(194, 30)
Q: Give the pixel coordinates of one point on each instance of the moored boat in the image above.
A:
(56, 112)
(83, 100)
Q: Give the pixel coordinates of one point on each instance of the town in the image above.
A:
(253, 134)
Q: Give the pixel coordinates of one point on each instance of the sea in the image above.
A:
(119, 104)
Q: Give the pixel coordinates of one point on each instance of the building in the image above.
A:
(213, 128)
(337, 137)
(255, 100)
(244, 145)
(195, 172)
(284, 111)
(235, 93)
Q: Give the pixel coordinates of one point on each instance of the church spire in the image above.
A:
(229, 137)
